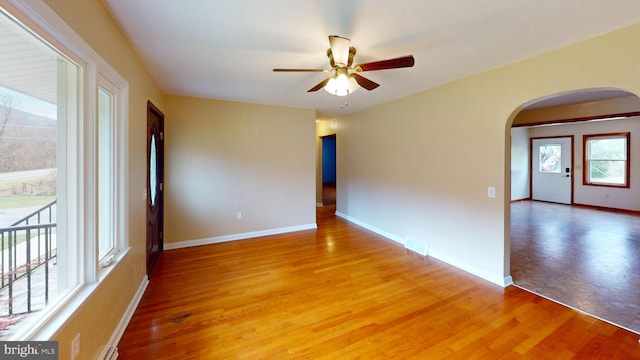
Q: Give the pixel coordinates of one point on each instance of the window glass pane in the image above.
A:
(607, 171)
(608, 149)
(153, 166)
(550, 158)
(38, 107)
(105, 165)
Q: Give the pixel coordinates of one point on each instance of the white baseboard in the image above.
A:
(417, 246)
(498, 280)
(503, 282)
(376, 230)
(508, 281)
(247, 235)
(128, 314)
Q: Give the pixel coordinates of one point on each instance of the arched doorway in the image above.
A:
(566, 252)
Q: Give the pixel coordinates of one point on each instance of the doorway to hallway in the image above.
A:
(329, 170)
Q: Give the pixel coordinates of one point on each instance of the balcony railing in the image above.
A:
(28, 253)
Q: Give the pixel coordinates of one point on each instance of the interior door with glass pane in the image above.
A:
(551, 169)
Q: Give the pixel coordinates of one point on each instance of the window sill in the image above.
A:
(45, 327)
(616, 186)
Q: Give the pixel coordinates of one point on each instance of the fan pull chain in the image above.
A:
(346, 103)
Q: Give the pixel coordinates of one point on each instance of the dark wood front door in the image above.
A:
(155, 171)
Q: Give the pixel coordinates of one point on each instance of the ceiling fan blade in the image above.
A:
(320, 85)
(339, 49)
(401, 62)
(301, 70)
(364, 82)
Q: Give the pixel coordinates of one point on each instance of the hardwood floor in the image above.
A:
(586, 258)
(329, 194)
(341, 292)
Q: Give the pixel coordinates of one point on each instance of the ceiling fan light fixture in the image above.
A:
(341, 85)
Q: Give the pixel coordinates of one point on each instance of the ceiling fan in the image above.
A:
(346, 79)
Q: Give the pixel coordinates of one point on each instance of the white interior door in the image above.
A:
(551, 169)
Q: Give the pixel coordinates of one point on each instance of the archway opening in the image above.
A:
(582, 254)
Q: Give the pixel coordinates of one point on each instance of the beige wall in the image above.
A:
(227, 157)
(97, 319)
(419, 167)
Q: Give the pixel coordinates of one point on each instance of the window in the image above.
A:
(63, 118)
(40, 92)
(106, 244)
(111, 148)
(606, 159)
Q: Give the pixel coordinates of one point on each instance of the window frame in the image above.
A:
(81, 158)
(107, 146)
(118, 148)
(586, 181)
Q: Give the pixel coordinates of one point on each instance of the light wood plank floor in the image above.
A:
(583, 257)
(342, 292)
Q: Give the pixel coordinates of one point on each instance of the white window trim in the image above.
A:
(36, 15)
(119, 162)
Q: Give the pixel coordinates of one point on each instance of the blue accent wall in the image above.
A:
(328, 159)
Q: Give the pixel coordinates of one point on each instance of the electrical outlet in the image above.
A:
(239, 215)
(491, 192)
(75, 347)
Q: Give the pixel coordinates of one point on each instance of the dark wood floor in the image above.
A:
(341, 292)
(329, 194)
(586, 258)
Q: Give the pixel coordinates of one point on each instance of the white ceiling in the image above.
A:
(226, 49)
